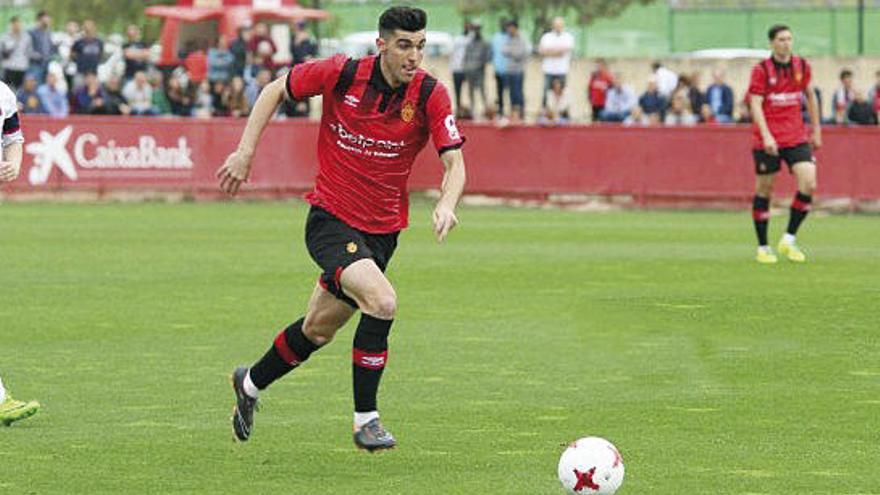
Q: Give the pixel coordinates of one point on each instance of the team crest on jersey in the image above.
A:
(408, 112)
(351, 248)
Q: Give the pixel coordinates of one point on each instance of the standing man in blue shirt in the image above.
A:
(499, 62)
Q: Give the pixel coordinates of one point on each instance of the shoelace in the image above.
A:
(376, 430)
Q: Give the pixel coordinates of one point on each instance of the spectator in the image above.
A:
(139, 95)
(114, 102)
(89, 98)
(203, 104)
(16, 48)
(499, 63)
(302, 46)
(302, 49)
(236, 101)
(160, 98)
(874, 95)
(65, 48)
(558, 108)
(88, 51)
(28, 99)
(843, 96)
(261, 44)
(136, 53)
(692, 86)
(600, 81)
(42, 47)
(221, 62)
(476, 57)
(239, 50)
(680, 112)
(719, 96)
(196, 63)
(619, 102)
(556, 47)
(706, 115)
(456, 66)
(516, 53)
(860, 111)
(652, 104)
(179, 98)
(744, 111)
(52, 98)
(667, 81)
(253, 90)
(637, 117)
(218, 100)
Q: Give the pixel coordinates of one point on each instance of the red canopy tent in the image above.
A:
(224, 17)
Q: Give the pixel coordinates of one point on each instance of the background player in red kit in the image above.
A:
(776, 90)
(378, 113)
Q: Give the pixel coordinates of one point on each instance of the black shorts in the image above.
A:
(769, 164)
(334, 245)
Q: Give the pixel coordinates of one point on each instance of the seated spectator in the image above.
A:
(221, 62)
(637, 117)
(218, 100)
(719, 96)
(89, 98)
(180, 100)
(619, 101)
(706, 115)
(558, 106)
(236, 101)
(53, 99)
(680, 112)
(860, 111)
(652, 103)
(843, 96)
(139, 95)
(28, 100)
(264, 77)
(203, 106)
(160, 99)
(874, 96)
(696, 97)
(114, 102)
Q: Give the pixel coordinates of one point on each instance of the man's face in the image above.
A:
(402, 53)
(133, 33)
(15, 26)
(45, 21)
(781, 44)
(89, 28)
(847, 82)
(558, 24)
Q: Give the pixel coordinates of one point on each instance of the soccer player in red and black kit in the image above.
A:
(378, 113)
(777, 88)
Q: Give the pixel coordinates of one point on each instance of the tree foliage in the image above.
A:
(110, 15)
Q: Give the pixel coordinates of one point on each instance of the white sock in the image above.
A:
(249, 387)
(360, 419)
(764, 248)
(787, 238)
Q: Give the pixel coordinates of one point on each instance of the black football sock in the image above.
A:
(761, 216)
(369, 355)
(290, 349)
(800, 207)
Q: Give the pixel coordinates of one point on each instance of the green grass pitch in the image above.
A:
(527, 330)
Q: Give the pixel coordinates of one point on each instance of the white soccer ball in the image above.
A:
(592, 465)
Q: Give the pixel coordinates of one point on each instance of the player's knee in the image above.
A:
(319, 332)
(382, 305)
(808, 187)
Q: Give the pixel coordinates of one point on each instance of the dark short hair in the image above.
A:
(778, 28)
(41, 14)
(404, 18)
(13, 19)
(846, 73)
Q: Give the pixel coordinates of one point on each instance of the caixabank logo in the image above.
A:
(89, 152)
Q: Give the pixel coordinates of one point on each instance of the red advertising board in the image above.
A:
(109, 154)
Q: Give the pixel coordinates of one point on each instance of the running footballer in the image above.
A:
(378, 113)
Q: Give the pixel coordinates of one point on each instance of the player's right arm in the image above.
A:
(757, 93)
(237, 167)
(303, 81)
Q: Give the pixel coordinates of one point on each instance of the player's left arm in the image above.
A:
(451, 190)
(813, 111)
(12, 138)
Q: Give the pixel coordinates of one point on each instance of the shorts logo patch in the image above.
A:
(408, 112)
(763, 167)
(351, 248)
